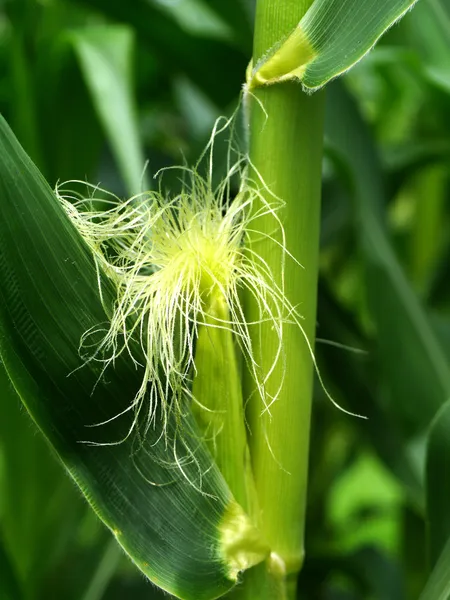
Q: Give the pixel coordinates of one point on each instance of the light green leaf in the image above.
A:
(438, 585)
(332, 37)
(189, 542)
(105, 55)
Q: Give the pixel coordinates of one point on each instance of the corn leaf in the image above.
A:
(191, 55)
(104, 572)
(438, 484)
(438, 585)
(196, 17)
(412, 360)
(146, 491)
(354, 380)
(9, 583)
(332, 37)
(105, 56)
(430, 34)
(239, 16)
(35, 528)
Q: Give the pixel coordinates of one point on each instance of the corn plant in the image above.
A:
(164, 344)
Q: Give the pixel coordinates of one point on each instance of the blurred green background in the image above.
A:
(93, 89)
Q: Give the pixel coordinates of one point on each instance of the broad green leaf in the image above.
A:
(189, 542)
(105, 55)
(332, 37)
(438, 585)
(438, 483)
(415, 367)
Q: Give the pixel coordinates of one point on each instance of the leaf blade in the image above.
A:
(438, 585)
(411, 357)
(10, 586)
(437, 484)
(105, 54)
(48, 299)
(329, 40)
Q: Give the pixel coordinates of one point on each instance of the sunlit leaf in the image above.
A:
(145, 491)
(331, 37)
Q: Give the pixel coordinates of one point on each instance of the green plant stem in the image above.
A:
(286, 151)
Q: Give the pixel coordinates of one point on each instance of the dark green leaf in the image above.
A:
(353, 376)
(9, 584)
(36, 525)
(48, 299)
(105, 55)
(413, 362)
(438, 483)
(430, 34)
(104, 572)
(438, 585)
(198, 58)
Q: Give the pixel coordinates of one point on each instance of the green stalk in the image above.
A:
(286, 151)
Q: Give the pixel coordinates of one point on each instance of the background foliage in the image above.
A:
(93, 89)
